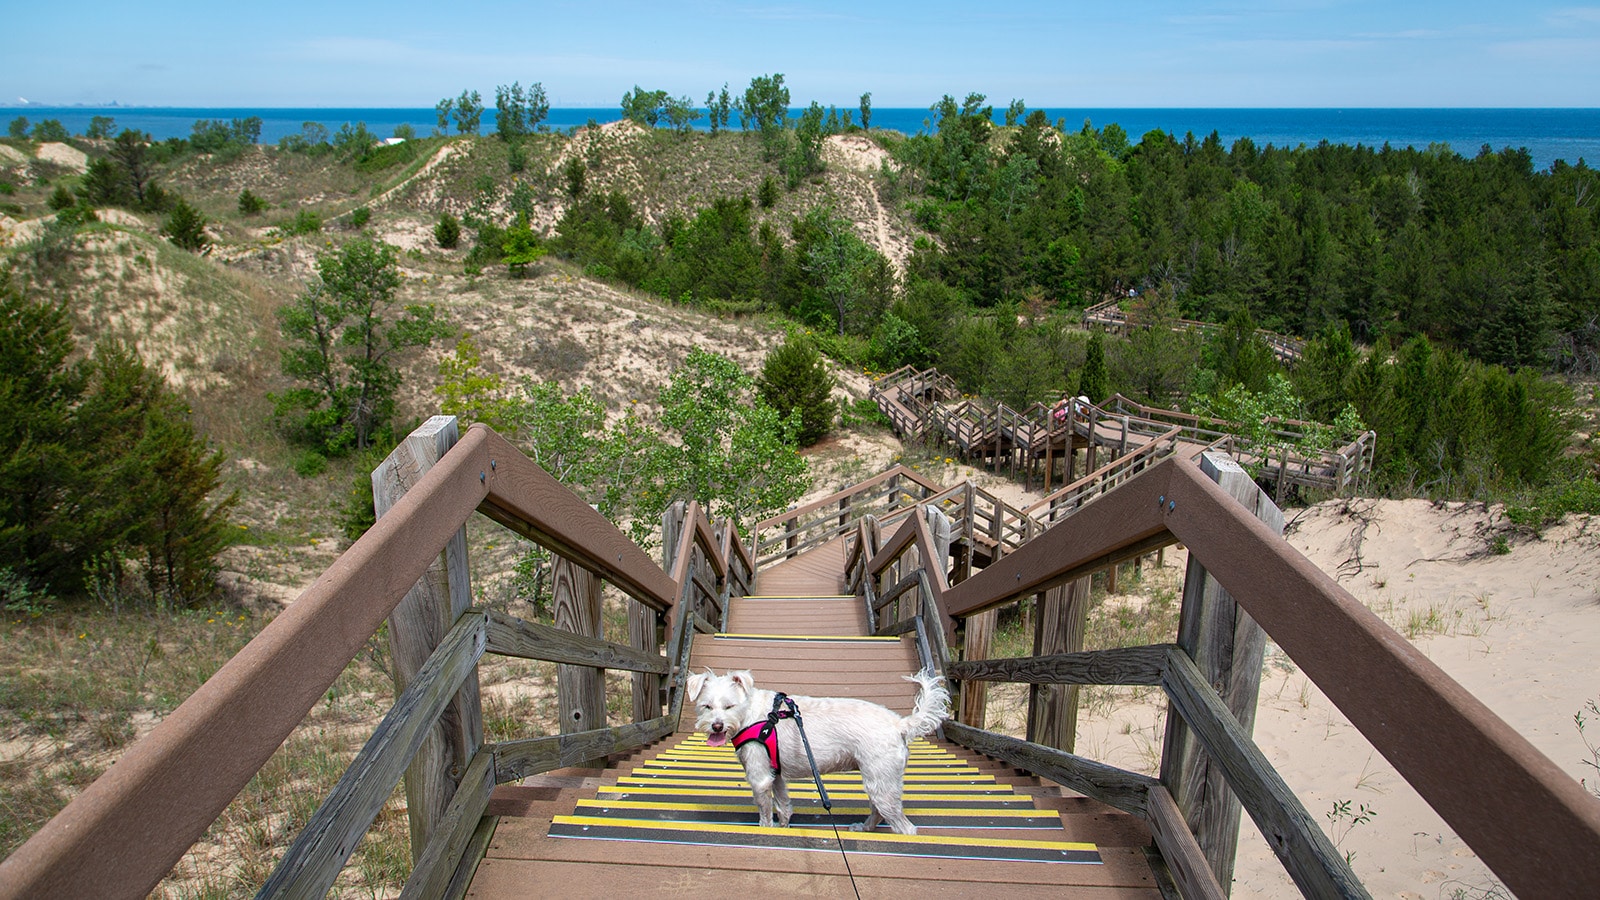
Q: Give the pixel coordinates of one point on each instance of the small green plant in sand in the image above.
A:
(1342, 819)
(1593, 762)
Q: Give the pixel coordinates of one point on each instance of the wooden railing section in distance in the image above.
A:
(918, 405)
(1109, 315)
(126, 830)
(1523, 816)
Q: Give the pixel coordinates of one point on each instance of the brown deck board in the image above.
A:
(528, 839)
(814, 573)
(843, 616)
(503, 878)
(524, 861)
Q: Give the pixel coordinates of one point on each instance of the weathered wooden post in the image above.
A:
(417, 625)
(580, 690)
(645, 626)
(1063, 620)
(1227, 646)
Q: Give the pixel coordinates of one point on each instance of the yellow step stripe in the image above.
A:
(670, 766)
(824, 834)
(922, 744)
(698, 745)
(1003, 813)
(844, 780)
(834, 638)
(941, 795)
(798, 597)
(835, 778)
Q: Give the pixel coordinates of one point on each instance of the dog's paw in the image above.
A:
(859, 826)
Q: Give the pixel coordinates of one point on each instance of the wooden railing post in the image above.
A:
(580, 690)
(1228, 647)
(976, 645)
(672, 525)
(644, 634)
(416, 627)
(1063, 620)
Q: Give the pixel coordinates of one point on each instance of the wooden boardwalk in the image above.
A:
(677, 818)
(925, 405)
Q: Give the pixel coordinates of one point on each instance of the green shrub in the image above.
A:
(1580, 494)
(448, 231)
(310, 464)
(305, 221)
(186, 227)
(767, 194)
(489, 248)
(61, 198)
(19, 595)
(387, 156)
(76, 215)
(360, 216)
(895, 343)
(250, 204)
(576, 175)
(796, 378)
(863, 411)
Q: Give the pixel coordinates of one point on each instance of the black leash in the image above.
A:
(778, 702)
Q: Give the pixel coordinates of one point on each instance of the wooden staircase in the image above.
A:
(678, 816)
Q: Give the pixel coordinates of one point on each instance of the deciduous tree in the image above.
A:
(468, 112)
(343, 334)
(727, 448)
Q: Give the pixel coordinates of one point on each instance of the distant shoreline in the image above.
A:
(1566, 133)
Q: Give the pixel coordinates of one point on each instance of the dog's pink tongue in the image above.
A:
(716, 738)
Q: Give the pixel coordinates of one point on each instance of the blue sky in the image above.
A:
(1311, 53)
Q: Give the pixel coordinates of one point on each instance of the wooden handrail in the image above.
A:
(914, 533)
(1125, 462)
(125, 831)
(834, 498)
(1512, 805)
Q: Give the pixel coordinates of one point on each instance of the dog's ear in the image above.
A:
(697, 682)
(744, 680)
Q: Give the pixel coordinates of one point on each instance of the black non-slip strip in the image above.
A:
(775, 839)
(909, 802)
(842, 816)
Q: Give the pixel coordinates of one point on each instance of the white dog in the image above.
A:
(845, 735)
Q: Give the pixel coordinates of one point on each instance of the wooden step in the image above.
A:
(864, 668)
(845, 615)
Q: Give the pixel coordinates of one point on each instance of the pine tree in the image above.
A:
(521, 248)
(186, 227)
(795, 379)
(39, 388)
(448, 231)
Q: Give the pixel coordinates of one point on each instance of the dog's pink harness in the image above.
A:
(767, 732)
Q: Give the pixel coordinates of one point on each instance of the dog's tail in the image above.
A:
(933, 705)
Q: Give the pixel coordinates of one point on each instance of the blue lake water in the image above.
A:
(1547, 134)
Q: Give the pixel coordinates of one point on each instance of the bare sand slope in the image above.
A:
(1520, 630)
